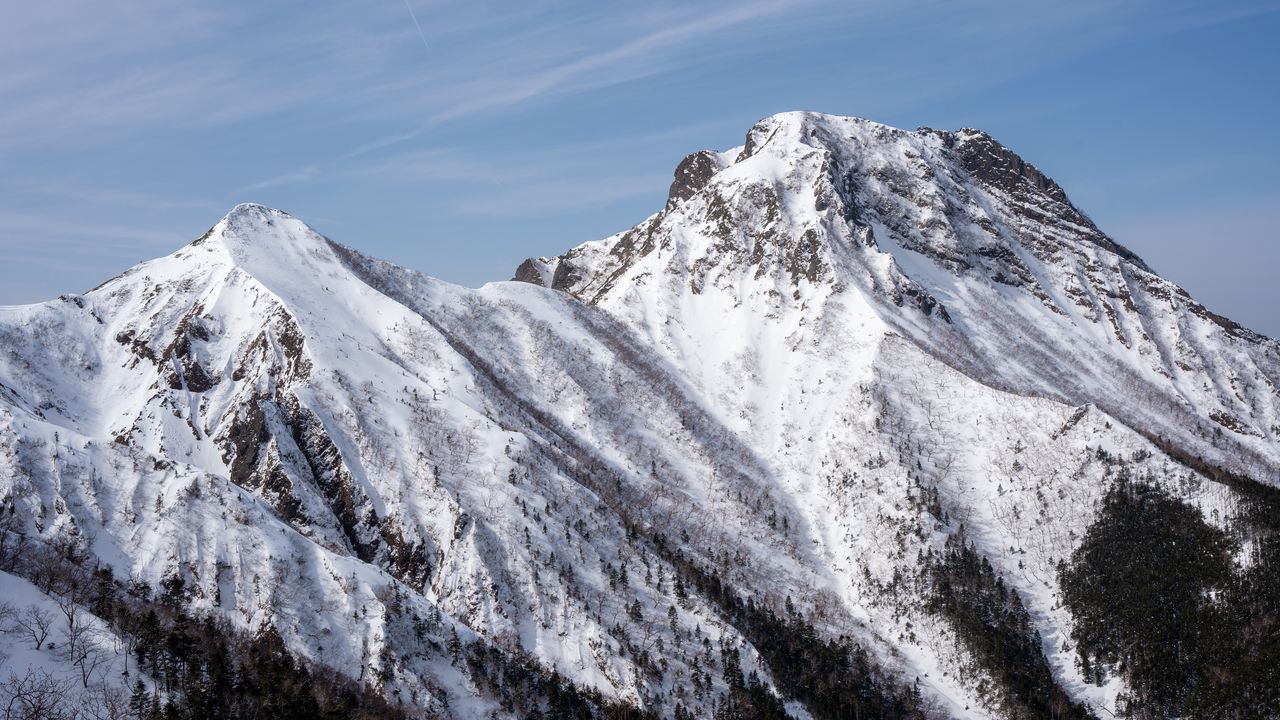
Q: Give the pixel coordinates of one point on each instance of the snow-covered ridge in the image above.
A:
(818, 328)
(956, 242)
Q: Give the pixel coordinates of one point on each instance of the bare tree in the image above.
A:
(53, 570)
(13, 541)
(104, 702)
(128, 642)
(84, 650)
(8, 616)
(34, 623)
(70, 611)
(36, 695)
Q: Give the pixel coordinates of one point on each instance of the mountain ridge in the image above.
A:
(667, 467)
(972, 229)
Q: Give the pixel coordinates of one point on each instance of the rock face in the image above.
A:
(725, 439)
(692, 174)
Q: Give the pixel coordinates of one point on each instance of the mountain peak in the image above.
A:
(253, 234)
(250, 219)
(252, 208)
(280, 253)
(803, 121)
(788, 131)
(949, 237)
(817, 185)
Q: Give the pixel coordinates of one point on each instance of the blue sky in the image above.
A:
(490, 131)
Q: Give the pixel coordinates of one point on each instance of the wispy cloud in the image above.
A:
(547, 179)
(655, 50)
(302, 174)
(70, 70)
(120, 119)
(417, 25)
(116, 197)
(25, 230)
(525, 65)
(74, 69)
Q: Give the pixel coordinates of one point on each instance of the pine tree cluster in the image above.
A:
(1158, 598)
(832, 678)
(993, 623)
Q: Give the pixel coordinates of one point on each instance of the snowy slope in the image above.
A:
(952, 240)
(51, 675)
(836, 284)
(820, 328)
(252, 415)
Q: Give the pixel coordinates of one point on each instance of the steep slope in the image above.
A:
(947, 238)
(857, 300)
(288, 430)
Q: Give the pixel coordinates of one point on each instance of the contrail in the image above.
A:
(421, 34)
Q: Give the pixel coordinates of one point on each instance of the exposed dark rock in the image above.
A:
(242, 442)
(194, 377)
(136, 345)
(998, 167)
(1230, 326)
(565, 276)
(406, 559)
(201, 240)
(992, 163)
(692, 174)
(1232, 423)
(460, 524)
(278, 486)
(333, 479)
(804, 260)
(292, 343)
(755, 139)
(532, 271)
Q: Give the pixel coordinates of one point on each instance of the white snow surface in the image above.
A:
(766, 373)
(80, 684)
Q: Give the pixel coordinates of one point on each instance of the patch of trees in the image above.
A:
(1158, 599)
(525, 690)
(35, 694)
(748, 696)
(199, 669)
(995, 626)
(833, 678)
(1242, 678)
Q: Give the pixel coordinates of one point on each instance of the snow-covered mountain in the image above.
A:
(834, 347)
(949, 240)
